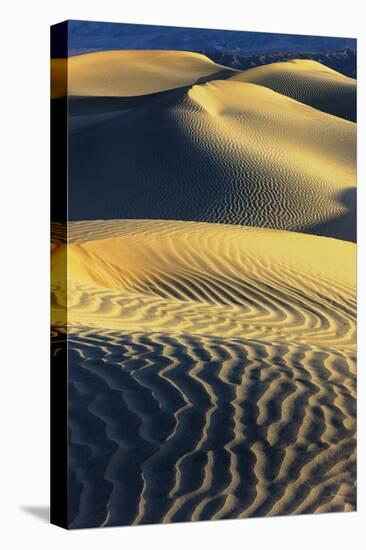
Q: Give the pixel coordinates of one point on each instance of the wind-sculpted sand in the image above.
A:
(210, 303)
(211, 371)
(237, 153)
(309, 82)
(210, 278)
(129, 73)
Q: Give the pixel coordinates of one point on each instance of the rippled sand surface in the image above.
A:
(309, 82)
(210, 278)
(211, 372)
(206, 288)
(224, 151)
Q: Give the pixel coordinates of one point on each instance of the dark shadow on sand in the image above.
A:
(342, 227)
(173, 423)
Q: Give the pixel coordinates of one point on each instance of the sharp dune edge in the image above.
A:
(233, 352)
(309, 82)
(256, 158)
(129, 73)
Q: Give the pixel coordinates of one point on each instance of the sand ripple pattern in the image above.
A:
(211, 339)
(210, 279)
(168, 428)
(212, 371)
(309, 82)
(237, 153)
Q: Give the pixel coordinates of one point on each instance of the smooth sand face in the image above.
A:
(309, 82)
(129, 73)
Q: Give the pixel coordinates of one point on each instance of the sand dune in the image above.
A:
(216, 366)
(130, 72)
(238, 153)
(309, 82)
(211, 279)
(211, 366)
(186, 427)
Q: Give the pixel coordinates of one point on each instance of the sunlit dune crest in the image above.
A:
(309, 82)
(130, 72)
(245, 335)
(211, 279)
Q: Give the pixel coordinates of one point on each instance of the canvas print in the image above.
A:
(203, 274)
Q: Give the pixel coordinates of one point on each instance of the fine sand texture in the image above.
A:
(206, 286)
(309, 82)
(129, 73)
(223, 151)
(248, 278)
(211, 371)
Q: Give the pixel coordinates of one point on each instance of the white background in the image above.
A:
(24, 389)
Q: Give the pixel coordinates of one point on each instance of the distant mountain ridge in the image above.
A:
(343, 61)
(90, 36)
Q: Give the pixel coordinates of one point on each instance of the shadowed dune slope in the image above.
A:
(211, 371)
(211, 366)
(168, 427)
(129, 72)
(309, 82)
(225, 151)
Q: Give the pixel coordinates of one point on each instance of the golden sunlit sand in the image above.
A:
(216, 294)
(242, 154)
(211, 279)
(212, 339)
(129, 72)
(301, 159)
(309, 82)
